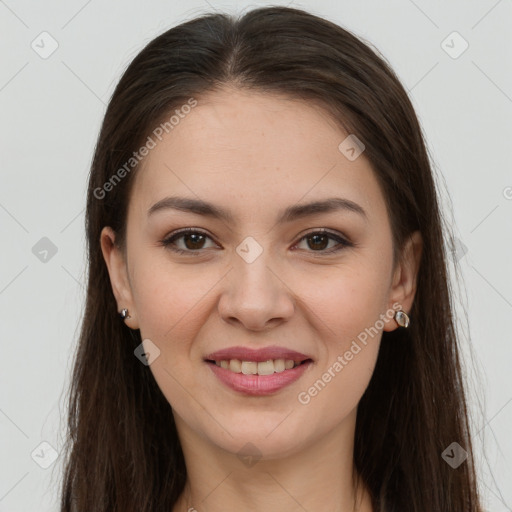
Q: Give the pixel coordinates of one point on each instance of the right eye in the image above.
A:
(193, 241)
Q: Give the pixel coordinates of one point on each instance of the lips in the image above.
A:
(256, 355)
(235, 368)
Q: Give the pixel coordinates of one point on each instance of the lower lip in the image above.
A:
(258, 385)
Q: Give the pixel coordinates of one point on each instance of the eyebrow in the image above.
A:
(294, 212)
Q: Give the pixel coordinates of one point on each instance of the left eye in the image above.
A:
(194, 241)
(319, 239)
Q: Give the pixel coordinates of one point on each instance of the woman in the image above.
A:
(268, 322)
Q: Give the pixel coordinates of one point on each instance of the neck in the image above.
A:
(316, 478)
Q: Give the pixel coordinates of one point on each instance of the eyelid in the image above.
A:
(343, 240)
(168, 240)
(326, 231)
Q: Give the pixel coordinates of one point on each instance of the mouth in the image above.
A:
(258, 372)
(261, 368)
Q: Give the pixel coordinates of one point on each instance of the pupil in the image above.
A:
(316, 237)
(193, 236)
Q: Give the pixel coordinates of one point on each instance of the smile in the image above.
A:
(245, 378)
(268, 367)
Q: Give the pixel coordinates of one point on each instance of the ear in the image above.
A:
(403, 286)
(118, 272)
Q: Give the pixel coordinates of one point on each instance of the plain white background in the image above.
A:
(51, 110)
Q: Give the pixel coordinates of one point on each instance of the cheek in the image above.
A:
(170, 299)
(347, 300)
(348, 311)
(333, 393)
(171, 303)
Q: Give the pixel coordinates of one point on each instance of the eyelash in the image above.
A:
(169, 241)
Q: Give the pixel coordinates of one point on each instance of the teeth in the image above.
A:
(279, 365)
(235, 365)
(258, 368)
(266, 368)
(249, 368)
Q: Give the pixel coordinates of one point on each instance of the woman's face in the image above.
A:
(257, 278)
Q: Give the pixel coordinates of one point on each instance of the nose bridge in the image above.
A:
(251, 269)
(254, 294)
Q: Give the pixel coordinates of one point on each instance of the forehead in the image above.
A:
(254, 150)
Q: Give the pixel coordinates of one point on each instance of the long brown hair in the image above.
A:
(123, 452)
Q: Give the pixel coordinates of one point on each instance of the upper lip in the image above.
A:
(257, 355)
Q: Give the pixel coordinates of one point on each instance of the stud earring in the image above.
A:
(124, 314)
(402, 319)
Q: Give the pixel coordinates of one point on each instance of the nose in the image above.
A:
(256, 295)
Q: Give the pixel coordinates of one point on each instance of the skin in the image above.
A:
(256, 154)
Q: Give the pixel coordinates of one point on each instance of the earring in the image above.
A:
(402, 319)
(124, 314)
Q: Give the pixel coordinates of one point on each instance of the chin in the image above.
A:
(260, 441)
